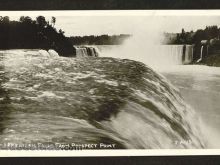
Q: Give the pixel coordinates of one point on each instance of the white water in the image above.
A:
(201, 54)
(199, 85)
(153, 55)
(85, 51)
(188, 55)
(91, 100)
(133, 125)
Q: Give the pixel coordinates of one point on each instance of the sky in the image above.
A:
(96, 25)
(115, 22)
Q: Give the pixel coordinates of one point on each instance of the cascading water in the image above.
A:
(177, 54)
(85, 51)
(188, 55)
(201, 54)
(155, 55)
(91, 101)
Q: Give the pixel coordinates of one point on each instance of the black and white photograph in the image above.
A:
(109, 80)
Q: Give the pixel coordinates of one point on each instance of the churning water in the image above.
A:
(199, 85)
(47, 99)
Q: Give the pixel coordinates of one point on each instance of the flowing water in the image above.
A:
(51, 102)
(200, 87)
(152, 55)
(85, 51)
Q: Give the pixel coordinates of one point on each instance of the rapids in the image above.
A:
(46, 99)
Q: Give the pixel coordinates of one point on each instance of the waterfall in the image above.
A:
(188, 54)
(174, 54)
(85, 51)
(154, 55)
(201, 54)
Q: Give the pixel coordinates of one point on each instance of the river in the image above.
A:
(48, 102)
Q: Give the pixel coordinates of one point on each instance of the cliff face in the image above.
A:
(31, 34)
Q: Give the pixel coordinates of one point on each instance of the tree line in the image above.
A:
(209, 33)
(99, 40)
(33, 34)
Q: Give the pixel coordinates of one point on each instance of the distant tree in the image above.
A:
(30, 34)
(178, 39)
(183, 36)
(99, 40)
(61, 31)
(53, 21)
(199, 35)
(41, 21)
(21, 19)
(211, 32)
(5, 19)
(24, 19)
(183, 31)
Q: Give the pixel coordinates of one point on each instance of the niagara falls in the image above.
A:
(109, 82)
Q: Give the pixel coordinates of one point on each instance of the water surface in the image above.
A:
(47, 99)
